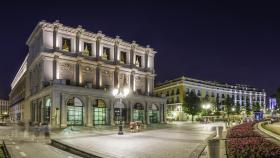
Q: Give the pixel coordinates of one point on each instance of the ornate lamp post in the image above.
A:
(120, 94)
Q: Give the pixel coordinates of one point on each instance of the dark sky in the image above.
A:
(235, 42)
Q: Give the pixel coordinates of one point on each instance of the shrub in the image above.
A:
(244, 142)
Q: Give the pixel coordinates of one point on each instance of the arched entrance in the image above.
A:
(138, 112)
(74, 111)
(47, 109)
(153, 114)
(99, 112)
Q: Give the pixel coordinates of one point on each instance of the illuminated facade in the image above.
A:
(176, 90)
(69, 75)
(4, 107)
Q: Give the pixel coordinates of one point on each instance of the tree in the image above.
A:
(248, 108)
(191, 104)
(256, 107)
(238, 109)
(228, 105)
(277, 98)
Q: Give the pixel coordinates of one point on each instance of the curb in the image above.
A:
(268, 132)
(72, 150)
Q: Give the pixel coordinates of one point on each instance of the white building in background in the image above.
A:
(69, 73)
(175, 91)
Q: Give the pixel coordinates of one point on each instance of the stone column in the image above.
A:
(98, 49)
(89, 112)
(132, 81)
(147, 114)
(97, 76)
(116, 49)
(55, 30)
(112, 122)
(132, 50)
(77, 74)
(78, 36)
(55, 68)
(146, 59)
(63, 111)
(131, 111)
(161, 111)
(116, 77)
(146, 85)
(42, 109)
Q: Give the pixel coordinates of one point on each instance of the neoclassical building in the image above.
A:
(175, 91)
(69, 73)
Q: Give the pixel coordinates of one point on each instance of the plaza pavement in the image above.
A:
(22, 143)
(179, 140)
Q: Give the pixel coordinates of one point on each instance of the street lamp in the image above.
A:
(233, 109)
(120, 94)
(206, 107)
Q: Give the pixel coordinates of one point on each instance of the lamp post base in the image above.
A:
(120, 130)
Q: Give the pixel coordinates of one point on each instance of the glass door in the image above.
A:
(74, 115)
(138, 115)
(99, 116)
(153, 115)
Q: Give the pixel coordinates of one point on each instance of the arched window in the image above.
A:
(74, 111)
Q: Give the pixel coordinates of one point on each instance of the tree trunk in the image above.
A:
(192, 118)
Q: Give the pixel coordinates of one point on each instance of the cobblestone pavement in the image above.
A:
(177, 141)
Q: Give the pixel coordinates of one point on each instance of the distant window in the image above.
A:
(223, 96)
(66, 44)
(106, 53)
(123, 57)
(138, 61)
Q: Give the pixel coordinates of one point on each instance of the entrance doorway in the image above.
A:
(154, 114)
(138, 112)
(74, 112)
(99, 112)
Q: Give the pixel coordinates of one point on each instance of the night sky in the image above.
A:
(234, 42)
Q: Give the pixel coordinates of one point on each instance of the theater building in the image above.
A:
(176, 90)
(69, 73)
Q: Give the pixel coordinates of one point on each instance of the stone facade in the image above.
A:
(176, 90)
(70, 74)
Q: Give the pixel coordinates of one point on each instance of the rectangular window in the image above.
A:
(106, 53)
(123, 57)
(66, 44)
(138, 61)
(87, 49)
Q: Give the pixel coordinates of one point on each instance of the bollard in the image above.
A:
(214, 148)
(219, 130)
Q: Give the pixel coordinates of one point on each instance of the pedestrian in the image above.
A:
(131, 126)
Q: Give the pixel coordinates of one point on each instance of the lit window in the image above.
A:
(123, 57)
(106, 53)
(87, 49)
(138, 61)
(66, 44)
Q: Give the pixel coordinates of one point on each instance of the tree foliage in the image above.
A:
(192, 104)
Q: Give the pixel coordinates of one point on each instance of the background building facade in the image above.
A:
(4, 107)
(69, 73)
(176, 90)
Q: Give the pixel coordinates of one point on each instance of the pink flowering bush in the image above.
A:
(243, 142)
(241, 131)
